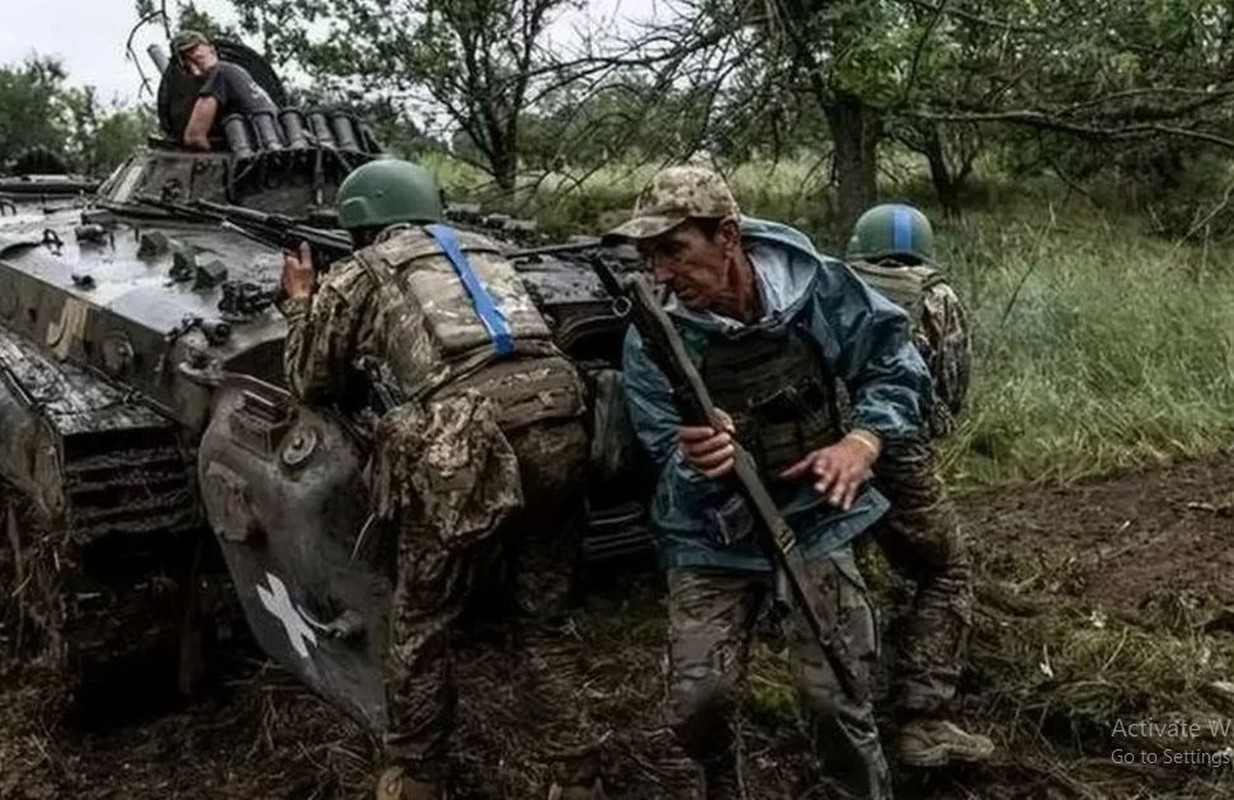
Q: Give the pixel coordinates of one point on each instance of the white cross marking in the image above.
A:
(278, 602)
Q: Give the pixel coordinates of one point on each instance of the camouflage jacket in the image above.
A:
(863, 340)
(941, 334)
(326, 333)
(396, 310)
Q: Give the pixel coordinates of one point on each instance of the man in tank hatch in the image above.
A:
(228, 88)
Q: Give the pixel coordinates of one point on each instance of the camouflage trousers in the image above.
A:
(712, 617)
(922, 541)
(464, 498)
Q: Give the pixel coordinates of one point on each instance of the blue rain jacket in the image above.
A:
(865, 342)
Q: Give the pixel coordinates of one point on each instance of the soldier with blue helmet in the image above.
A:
(892, 249)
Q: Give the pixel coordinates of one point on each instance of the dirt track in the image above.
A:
(259, 735)
(1123, 541)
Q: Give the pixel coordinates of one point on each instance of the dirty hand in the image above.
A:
(839, 470)
(710, 451)
(299, 280)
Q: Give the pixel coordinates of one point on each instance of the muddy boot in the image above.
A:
(395, 784)
(721, 781)
(935, 742)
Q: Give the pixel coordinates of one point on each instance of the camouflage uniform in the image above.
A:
(940, 332)
(920, 536)
(477, 467)
(775, 376)
(711, 622)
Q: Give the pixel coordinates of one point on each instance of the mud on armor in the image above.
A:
(777, 391)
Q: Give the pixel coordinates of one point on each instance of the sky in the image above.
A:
(88, 36)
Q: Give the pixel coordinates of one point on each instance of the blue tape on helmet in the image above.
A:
(485, 304)
(902, 229)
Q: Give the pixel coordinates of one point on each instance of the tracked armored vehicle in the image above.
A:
(144, 426)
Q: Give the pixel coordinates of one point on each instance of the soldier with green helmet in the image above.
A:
(892, 249)
(485, 445)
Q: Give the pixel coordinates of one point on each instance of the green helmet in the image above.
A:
(892, 229)
(387, 191)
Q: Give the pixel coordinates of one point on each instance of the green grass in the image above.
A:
(1099, 347)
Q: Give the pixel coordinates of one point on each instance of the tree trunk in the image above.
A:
(502, 151)
(856, 129)
(946, 185)
(503, 159)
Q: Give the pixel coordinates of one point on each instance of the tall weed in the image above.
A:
(1098, 348)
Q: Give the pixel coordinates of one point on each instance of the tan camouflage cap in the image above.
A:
(674, 195)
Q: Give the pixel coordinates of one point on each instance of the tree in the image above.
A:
(1102, 71)
(33, 112)
(482, 62)
(100, 138)
(842, 58)
(935, 74)
(40, 112)
(628, 118)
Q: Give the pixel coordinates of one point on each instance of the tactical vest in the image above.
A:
(436, 343)
(906, 286)
(777, 390)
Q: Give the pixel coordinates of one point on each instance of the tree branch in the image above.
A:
(1043, 121)
(917, 51)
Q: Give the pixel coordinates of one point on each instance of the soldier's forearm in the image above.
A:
(297, 346)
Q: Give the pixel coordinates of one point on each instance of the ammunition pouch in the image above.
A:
(776, 389)
(525, 390)
(614, 446)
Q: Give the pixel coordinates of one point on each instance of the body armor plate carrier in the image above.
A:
(778, 392)
(906, 286)
(437, 344)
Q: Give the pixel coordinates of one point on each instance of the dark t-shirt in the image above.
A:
(235, 90)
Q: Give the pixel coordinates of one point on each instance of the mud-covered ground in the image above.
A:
(256, 734)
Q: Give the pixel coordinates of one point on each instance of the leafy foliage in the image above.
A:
(32, 108)
(479, 62)
(39, 110)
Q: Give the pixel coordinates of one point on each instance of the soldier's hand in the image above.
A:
(299, 279)
(709, 450)
(839, 470)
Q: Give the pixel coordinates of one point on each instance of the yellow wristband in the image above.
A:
(868, 440)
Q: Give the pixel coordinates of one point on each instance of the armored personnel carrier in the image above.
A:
(144, 426)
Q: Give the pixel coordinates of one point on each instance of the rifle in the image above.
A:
(635, 298)
(279, 231)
